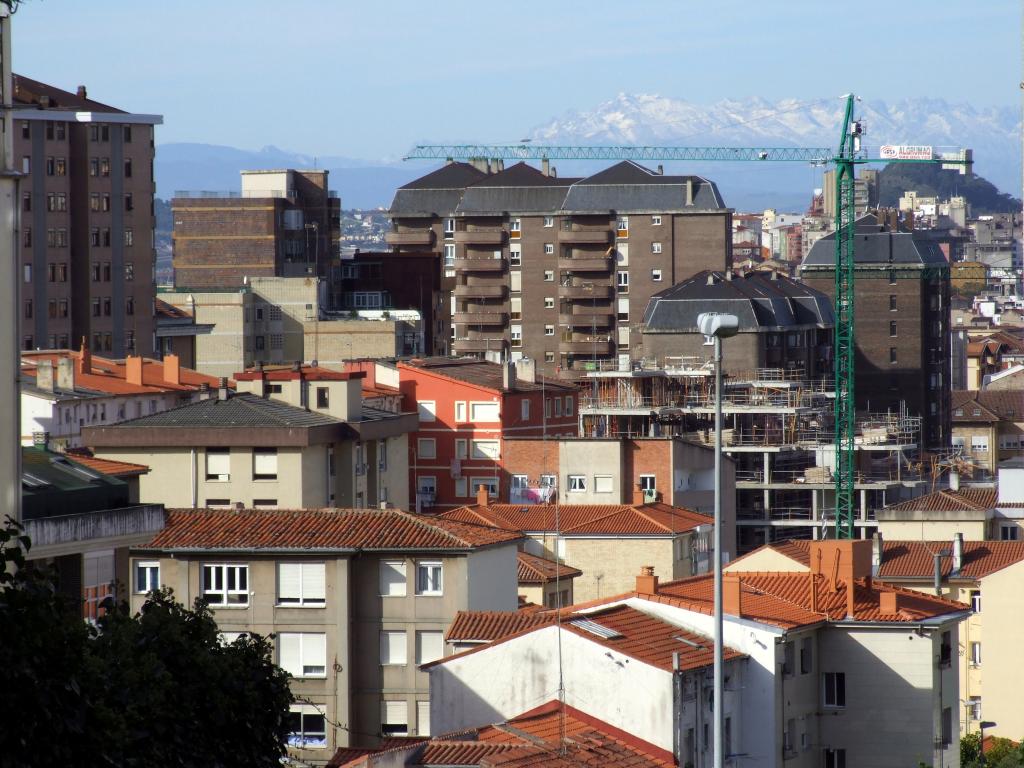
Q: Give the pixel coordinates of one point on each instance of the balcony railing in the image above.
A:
(585, 290)
(479, 264)
(425, 237)
(480, 236)
(481, 291)
(585, 236)
(479, 344)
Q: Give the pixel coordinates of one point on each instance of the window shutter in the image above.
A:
(314, 651)
(289, 582)
(396, 713)
(289, 653)
(314, 581)
(423, 718)
(392, 579)
(392, 647)
(218, 463)
(264, 462)
(431, 646)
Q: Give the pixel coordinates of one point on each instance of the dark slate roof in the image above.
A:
(874, 246)
(628, 187)
(482, 373)
(450, 176)
(243, 410)
(520, 188)
(758, 299)
(436, 194)
(29, 91)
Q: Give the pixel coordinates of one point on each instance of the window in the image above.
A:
(516, 335)
(129, 272)
(622, 227)
(655, 247)
(394, 720)
(94, 166)
(603, 484)
(834, 689)
(460, 410)
(656, 275)
(648, 484)
(549, 249)
(623, 309)
(892, 277)
(577, 483)
(449, 255)
(568, 405)
(549, 276)
(515, 256)
(301, 583)
(106, 202)
(1009, 532)
(516, 308)
(835, 758)
(302, 654)
(515, 227)
(524, 410)
(979, 443)
(549, 357)
(549, 302)
(323, 397)
(484, 412)
(655, 221)
(892, 328)
(892, 355)
(490, 483)
(423, 718)
(226, 584)
(789, 658)
(449, 228)
(975, 654)
(623, 282)
(218, 464)
(104, 166)
(461, 487)
(264, 463)
(462, 448)
(976, 600)
(515, 281)
(557, 402)
(427, 410)
(392, 578)
(128, 168)
(26, 271)
(127, 133)
(806, 655)
(549, 330)
(947, 726)
(26, 164)
(974, 707)
(429, 578)
(393, 647)
(264, 503)
(129, 237)
(429, 646)
(426, 448)
(485, 449)
(892, 302)
(147, 576)
(549, 221)
(307, 727)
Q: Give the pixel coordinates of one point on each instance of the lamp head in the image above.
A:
(718, 325)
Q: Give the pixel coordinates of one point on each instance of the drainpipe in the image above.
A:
(195, 487)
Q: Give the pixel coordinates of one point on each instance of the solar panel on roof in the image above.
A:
(595, 629)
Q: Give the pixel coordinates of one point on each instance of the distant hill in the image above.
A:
(931, 181)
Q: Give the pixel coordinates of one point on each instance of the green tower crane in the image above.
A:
(844, 161)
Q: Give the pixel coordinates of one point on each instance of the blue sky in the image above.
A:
(369, 79)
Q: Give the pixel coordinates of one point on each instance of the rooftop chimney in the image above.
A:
(689, 191)
(66, 374)
(84, 358)
(937, 573)
(81, 92)
(888, 603)
(647, 581)
(954, 479)
(222, 389)
(958, 552)
(661, 169)
(638, 494)
(711, 278)
(545, 166)
(508, 376)
(483, 498)
(732, 594)
(877, 553)
(813, 588)
(847, 560)
(133, 370)
(172, 369)
(44, 375)
(204, 390)
(526, 370)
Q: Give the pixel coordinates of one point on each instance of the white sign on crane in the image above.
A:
(905, 152)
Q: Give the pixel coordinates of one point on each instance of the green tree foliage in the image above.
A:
(1001, 753)
(896, 179)
(154, 688)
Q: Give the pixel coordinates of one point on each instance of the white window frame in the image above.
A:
(549, 302)
(396, 640)
(656, 275)
(549, 249)
(449, 227)
(655, 221)
(648, 482)
(426, 448)
(486, 406)
(577, 484)
(461, 487)
(975, 650)
(491, 483)
(622, 281)
(462, 448)
(478, 449)
(385, 721)
(311, 647)
(515, 256)
(303, 738)
(460, 411)
(549, 275)
(435, 634)
(449, 254)
(515, 225)
(426, 584)
(427, 410)
(400, 585)
(655, 247)
(568, 405)
(524, 409)
(262, 464)
(549, 221)
(311, 581)
(835, 704)
(604, 484)
(218, 477)
(423, 718)
(224, 591)
(147, 576)
(549, 330)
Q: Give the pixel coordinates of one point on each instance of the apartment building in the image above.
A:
(558, 270)
(608, 542)
(543, 581)
(354, 609)
(988, 427)
(966, 571)
(87, 245)
(63, 392)
(829, 667)
(902, 323)
(289, 439)
(283, 223)
(467, 407)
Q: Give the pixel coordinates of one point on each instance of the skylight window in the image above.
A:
(595, 629)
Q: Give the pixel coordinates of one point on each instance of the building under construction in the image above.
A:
(777, 426)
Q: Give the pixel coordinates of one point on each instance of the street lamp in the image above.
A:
(981, 746)
(715, 327)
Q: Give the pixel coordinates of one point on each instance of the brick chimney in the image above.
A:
(813, 590)
(133, 370)
(44, 375)
(732, 594)
(847, 559)
(647, 581)
(888, 602)
(82, 93)
(172, 369)
(482, 496)
(638, 495)
(84, 358)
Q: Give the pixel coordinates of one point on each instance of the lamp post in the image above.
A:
(981, 746)
(715, 327)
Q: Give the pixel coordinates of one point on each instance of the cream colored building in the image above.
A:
(354, 610)
(545, 582)
(290, 439)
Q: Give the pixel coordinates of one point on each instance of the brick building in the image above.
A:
(466, 410)
(558, 270)
(284, 223)
(87, 257)
(901, 321)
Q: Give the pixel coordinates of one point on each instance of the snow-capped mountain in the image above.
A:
(993, 133)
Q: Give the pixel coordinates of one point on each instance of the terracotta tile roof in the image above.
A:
(991, 404)
(29, 91)
(525, 606)
(319, 529)
(582, 519)
(107, 466)
(479, 373)
(783, 599)
(485, 626)
(963, 500)
(539, 570)
(164, 309)
(106, 376)
(309, 373)
(441, 752)
(914, 559)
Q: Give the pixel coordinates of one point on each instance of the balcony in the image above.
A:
(585, 236)
(481, 291)
(480, 264)
(424, 237)
(591, 263)
(599, 317)
(585, 291)
(480, 318)
(581, 344)
(496, 343)
(480, 236)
